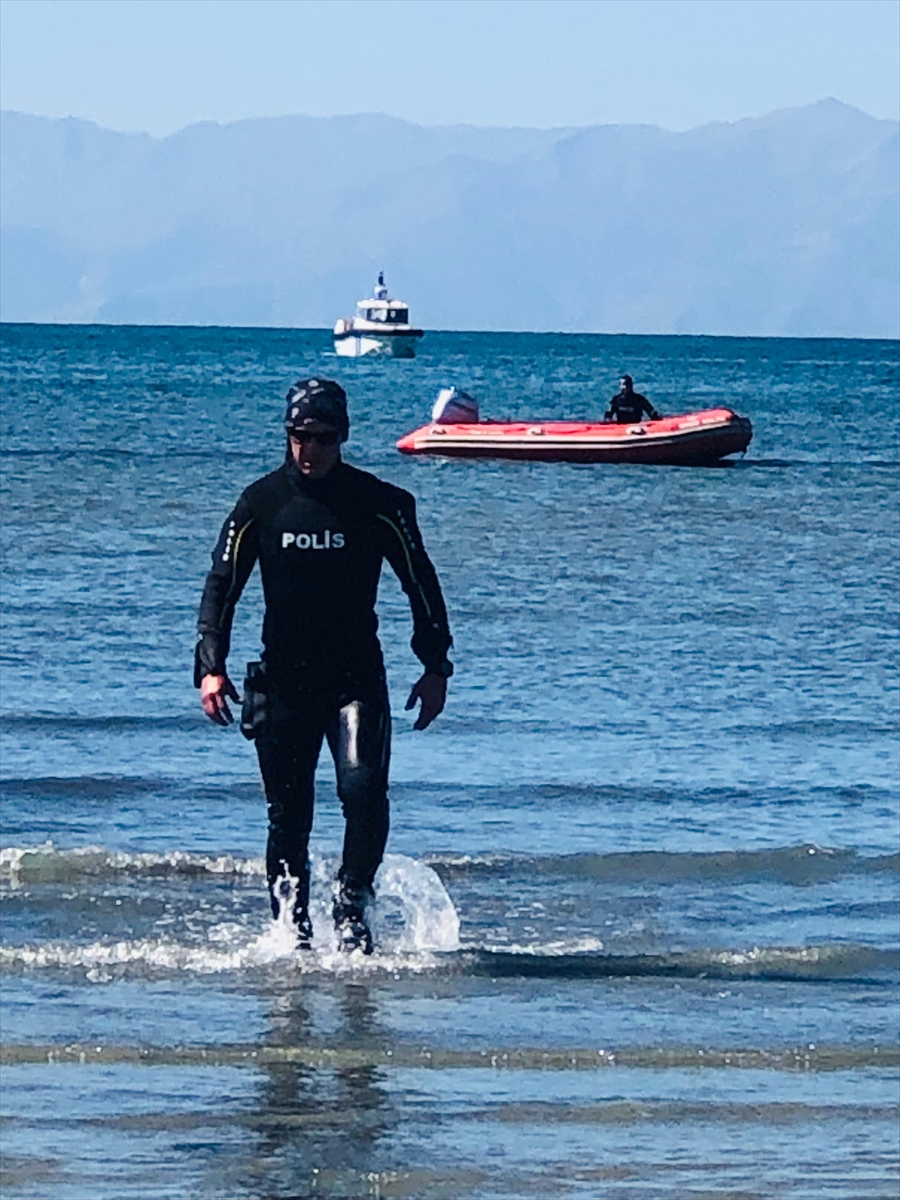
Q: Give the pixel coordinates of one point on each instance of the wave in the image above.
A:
(836, 963)
(81, 785)
(51, 722)
(809, 1057)
(823, 728)
(796, 865)
(103, 786)
(190, 722)
(47, 864)
(744, 464)
(542, 795)
(230, 948)
(793, 865)
(129, 454)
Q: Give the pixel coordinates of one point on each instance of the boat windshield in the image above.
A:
(390, 316)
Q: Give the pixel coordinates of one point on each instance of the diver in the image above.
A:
(320, 530)
(628, 406)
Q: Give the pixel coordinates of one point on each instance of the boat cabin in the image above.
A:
(390, 312)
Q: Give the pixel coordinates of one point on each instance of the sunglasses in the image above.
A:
(327, 437)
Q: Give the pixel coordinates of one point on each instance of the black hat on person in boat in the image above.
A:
(317, 400)
(628, 381)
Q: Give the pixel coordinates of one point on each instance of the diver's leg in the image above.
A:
(288, 749)
(359, 738)
(360, 742)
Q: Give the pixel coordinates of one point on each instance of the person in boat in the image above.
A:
(628, 406)
(320, 530)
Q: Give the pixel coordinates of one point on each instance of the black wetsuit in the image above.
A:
(320, 545)
(628, 407)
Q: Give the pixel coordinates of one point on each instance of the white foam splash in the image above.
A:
(582, 945)
(412, 908)
(413, 921)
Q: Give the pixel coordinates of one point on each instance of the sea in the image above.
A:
(638, 927)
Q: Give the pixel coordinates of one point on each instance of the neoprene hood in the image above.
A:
(317, 400)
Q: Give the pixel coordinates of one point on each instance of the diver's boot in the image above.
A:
(350, 922)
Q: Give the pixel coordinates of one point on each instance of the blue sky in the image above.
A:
(157, 65)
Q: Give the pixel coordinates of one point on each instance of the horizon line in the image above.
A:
(327, 329)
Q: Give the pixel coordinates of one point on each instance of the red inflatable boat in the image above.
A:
(693, 439)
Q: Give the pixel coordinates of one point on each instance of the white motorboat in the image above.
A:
(381, 326)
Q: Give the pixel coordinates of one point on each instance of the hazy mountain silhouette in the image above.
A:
(786, 224)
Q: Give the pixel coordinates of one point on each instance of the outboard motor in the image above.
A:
(454, 408)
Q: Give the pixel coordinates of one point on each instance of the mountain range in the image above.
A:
(786, 224)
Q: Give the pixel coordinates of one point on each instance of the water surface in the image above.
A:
(638, 929)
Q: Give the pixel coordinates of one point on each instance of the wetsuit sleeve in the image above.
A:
(648, 408)
(233, 558)
(402, 546)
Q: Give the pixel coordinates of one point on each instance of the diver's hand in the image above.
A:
(213, 692)
(432, 691)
